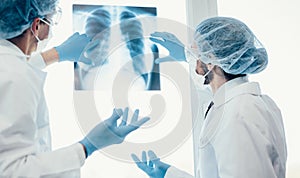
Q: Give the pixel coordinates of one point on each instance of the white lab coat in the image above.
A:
(242, 136)
(25, 143)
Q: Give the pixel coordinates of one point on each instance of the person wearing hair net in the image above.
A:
(242, 133)
(25, 143)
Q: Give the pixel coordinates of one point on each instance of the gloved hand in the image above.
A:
(153, 167)
(95, 52)
(71, 49)
(108, 132)
(173, 45)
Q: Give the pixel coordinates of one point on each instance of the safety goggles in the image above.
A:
(192, 54)
(54, 18)
(47, 21)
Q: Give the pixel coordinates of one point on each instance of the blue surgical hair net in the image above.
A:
(17, 15)
(231, 45)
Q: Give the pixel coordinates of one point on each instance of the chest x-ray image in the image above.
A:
(119, 50)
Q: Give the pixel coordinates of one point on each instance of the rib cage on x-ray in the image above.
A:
(98, 26)
(97, 21)
(132, 32)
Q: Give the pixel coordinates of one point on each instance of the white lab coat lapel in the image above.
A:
(208, 165)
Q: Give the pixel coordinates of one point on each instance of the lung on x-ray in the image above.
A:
(119, 50)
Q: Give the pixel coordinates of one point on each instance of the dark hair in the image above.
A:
(232, 76)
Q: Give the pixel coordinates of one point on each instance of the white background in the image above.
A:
(276, 24)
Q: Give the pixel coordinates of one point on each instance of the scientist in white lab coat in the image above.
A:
(242, 134)
(25, 143)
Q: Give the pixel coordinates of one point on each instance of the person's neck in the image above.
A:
(216, 83)
(24, 42)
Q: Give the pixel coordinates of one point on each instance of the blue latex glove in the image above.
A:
(172, 44)
(71, 49)
(95, 53)
(108, 132)
(153, 167)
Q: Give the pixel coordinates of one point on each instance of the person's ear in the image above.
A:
(35, 26)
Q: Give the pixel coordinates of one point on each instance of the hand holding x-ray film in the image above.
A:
(173, 45)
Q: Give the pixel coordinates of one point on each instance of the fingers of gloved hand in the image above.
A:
(141, 164)
(72, 48)
(135, 158)
(124, 118)
(85, 60)
(72, 37)
(91, 46)
(135, 116)
(171, 37)
(156, 161)
(152, 157)
(163, 35)
(140, 122)
(78, 40)
(117, 113)
(133, 126)
(145, 161)
(85, 38)
(144, 157)
(168, 38)
(157, 40)
(85, 56)
(151, 164)
(164, 59)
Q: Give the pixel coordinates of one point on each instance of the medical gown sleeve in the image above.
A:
(173, 172)
(19, 155)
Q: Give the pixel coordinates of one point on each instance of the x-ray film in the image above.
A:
(119, 51)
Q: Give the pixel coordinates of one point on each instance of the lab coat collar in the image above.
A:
(225, 93)
(11, 49)
(234, 88)
(8, 48)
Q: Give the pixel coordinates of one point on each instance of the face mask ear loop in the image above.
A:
(36, 37)
(203, 76)
(208, 71)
